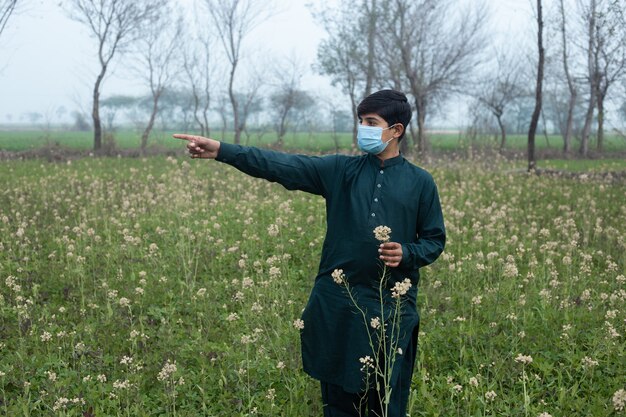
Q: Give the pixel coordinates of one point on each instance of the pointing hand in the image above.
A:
(199, 146)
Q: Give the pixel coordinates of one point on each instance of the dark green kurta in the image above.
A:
(361, 192)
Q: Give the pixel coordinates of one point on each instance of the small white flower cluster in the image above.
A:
(490, 395)
(119, 384)
(510, 269)
(382, 233)
(274, 272)
(338, 276)
(126, 360)
(525, 359)
(62, 403)
(368, 363)
(11, 282)
(587, 362)
(271, 394)
(401, 288)
(272, 230)
(167, 371)
(375, 322)
(619, 400)
(298, 324)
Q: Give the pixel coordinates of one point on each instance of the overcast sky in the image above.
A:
(48, 61)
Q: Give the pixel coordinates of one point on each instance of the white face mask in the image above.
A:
(370, 138)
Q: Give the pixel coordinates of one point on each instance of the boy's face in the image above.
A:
(372, 119)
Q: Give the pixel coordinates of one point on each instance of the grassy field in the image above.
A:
(315, 142)
(142, 287)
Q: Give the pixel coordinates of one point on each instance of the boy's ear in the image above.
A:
(398, 130)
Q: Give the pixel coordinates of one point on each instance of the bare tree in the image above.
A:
(287, 96)
(7, 7)
(200, 72)
(114, 24)
(438, 49)
(571, 85)
(532, 130)
(609, 54)
(347, 56)
(589, 15)
(497, 91)
(605, 50)
(157, 52)
(234, 20)
(250, 104)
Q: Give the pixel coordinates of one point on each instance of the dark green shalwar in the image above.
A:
(361, 192)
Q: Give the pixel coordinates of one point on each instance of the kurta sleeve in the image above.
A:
(312, 174)
(431, 233)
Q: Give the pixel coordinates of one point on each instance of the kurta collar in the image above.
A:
(387, 162)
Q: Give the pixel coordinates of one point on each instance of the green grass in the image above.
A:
(313, 142)
(112, 267)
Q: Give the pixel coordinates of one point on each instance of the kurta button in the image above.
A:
(376, 200)
(381, 171)
(373, 214)
(378, 185)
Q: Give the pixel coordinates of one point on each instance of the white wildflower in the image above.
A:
(338, 276)
(401, 288)
(382, 233)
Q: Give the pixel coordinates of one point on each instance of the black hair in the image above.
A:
(391, 105)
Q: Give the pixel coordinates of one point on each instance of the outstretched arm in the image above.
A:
(312, 174)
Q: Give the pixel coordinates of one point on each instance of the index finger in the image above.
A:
(390, 245)
(190, 138)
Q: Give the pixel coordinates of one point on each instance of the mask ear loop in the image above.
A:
(392, 138)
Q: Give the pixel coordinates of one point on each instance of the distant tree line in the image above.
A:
(203, 77)
(439, 49)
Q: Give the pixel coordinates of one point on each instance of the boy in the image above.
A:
(379, 188)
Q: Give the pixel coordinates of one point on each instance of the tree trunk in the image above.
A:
(235, 105)
(600, 139)
(567, 138)
(584, 142)
(95, 112)
(196, 106)
(148, 129)
(205, 116)
(502, 132)
(534, 121)
(371, 53)
(355, 122)
(592, 61)
(282, 130)
(420, 107)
